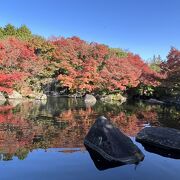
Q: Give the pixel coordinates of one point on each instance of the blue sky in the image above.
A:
(145, 27)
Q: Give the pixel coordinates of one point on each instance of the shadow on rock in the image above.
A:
(100, 162)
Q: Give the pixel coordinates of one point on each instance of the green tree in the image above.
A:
(24, 32)
(10, 30)
(1, 33)
(119, 53)
(155, 63)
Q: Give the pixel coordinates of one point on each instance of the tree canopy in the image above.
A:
(28, 60)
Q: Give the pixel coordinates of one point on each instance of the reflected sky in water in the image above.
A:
(44, 140)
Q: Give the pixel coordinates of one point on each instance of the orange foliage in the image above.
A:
(92, 67)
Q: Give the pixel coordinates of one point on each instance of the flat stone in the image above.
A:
(111, 143)
(161, 137)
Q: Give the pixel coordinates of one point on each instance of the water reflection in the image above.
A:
(63, 123)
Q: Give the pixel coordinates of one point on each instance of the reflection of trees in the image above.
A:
(130, 125)
(169, 117)
(33, 125)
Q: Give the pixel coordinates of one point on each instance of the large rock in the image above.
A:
(111, 143)
(113, 98)
(89, 100)
(14, 95)
(161, 137)
(2, 98)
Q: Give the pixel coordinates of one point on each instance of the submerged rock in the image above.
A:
(111, 143)
(155, 101)
(89, 100)
(161, 137)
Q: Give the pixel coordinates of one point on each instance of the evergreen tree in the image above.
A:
(24, 32)
(155, 62)
(1, 33)
(10, 30)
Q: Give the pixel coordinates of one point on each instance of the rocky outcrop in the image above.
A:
(113, 98)
(161, 137)
(89, 100)
(41, 97)
(111, 143)
(14, 95)
(34, 95)
(2, 98)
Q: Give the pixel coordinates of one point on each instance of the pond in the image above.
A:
(44, 140)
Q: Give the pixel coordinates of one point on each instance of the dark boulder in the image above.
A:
(108, 141)
(161, 137)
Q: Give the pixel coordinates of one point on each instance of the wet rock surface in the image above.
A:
(111, 144)
(161, 137)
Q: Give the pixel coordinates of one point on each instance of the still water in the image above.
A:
(44, 140)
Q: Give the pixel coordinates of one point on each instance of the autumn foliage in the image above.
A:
(93, 67)
(31, 61)
(18, 62)
(7, 81)
(171, 68)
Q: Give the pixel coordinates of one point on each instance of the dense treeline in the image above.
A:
(28, 63)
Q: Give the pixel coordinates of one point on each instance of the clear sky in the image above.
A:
(145, 27)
